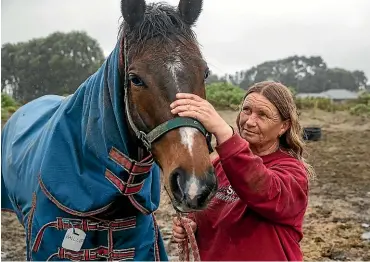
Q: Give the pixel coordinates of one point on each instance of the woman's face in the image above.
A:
(260, 122)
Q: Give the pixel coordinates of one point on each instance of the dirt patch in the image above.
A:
(13, 245)
(339, 200)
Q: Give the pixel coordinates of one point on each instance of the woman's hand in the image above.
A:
(178, 232)
(213, 156)
(189, 105)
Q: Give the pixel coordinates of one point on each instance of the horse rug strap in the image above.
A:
(184, 252)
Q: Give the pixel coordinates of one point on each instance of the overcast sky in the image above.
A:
(234, 34)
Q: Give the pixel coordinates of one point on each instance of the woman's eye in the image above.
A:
(136, 80)
(261, 114)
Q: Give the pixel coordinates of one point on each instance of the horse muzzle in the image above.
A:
(192, 192)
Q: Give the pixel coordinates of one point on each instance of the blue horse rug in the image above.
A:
(67, 176)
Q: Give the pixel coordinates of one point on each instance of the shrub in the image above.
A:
(324, 104)
(364, 98)
(7, 101)
(8, 106)
(224, 95)
(360, 109)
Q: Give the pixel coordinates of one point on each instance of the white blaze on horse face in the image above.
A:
(192, 187)
(175, 66)
(187, 138)
(187, 135)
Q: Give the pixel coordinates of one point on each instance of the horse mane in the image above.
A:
(162, 22)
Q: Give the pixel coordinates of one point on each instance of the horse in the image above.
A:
(83, 172)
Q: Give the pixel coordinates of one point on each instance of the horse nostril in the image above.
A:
(177, 182)
(191, 190)
(207, 188)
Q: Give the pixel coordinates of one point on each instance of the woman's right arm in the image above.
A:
(278, 193)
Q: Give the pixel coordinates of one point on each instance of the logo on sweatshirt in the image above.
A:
(227, 194)
(230, 190)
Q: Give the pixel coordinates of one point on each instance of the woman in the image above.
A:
(258, 211)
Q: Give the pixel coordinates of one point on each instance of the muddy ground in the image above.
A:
(339, 208)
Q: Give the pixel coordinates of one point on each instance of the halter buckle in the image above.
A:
(145, 140)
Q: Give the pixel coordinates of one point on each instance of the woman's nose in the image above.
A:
(251, 121)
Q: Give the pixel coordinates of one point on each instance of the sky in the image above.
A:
(234, 34)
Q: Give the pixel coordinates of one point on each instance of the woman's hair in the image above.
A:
(281, 97)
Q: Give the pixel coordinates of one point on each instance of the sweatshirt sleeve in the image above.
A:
(278, 193)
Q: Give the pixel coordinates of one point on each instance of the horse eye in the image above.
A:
(206, 74)
(135, 80)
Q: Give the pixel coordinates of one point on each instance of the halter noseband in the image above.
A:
(149, 138)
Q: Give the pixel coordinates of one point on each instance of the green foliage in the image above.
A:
(55, 64)
(361, 106)
(224, 95)
(364, 98)
(7, 101)
(4, 114)
(8, 106)
(318, 103)
(360, 109)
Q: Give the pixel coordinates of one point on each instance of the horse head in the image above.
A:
(161, 57)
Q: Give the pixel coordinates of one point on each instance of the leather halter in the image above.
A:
(149, 138)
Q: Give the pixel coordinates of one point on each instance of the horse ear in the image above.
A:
(190, 10)
(133, 11)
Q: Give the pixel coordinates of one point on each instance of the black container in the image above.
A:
(312, 133)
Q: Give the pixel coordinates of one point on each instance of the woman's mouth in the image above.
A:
(249, 132)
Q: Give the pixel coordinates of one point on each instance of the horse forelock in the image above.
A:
(162, 25)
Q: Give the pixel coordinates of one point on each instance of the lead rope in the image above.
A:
(184, 252)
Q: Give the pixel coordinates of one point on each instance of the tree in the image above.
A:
(305, 74)
(57, 64)
(290, 71)
(360, 78)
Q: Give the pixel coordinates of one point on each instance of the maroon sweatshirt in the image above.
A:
(258, 211)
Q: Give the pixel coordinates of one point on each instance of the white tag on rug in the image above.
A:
(74, 239)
